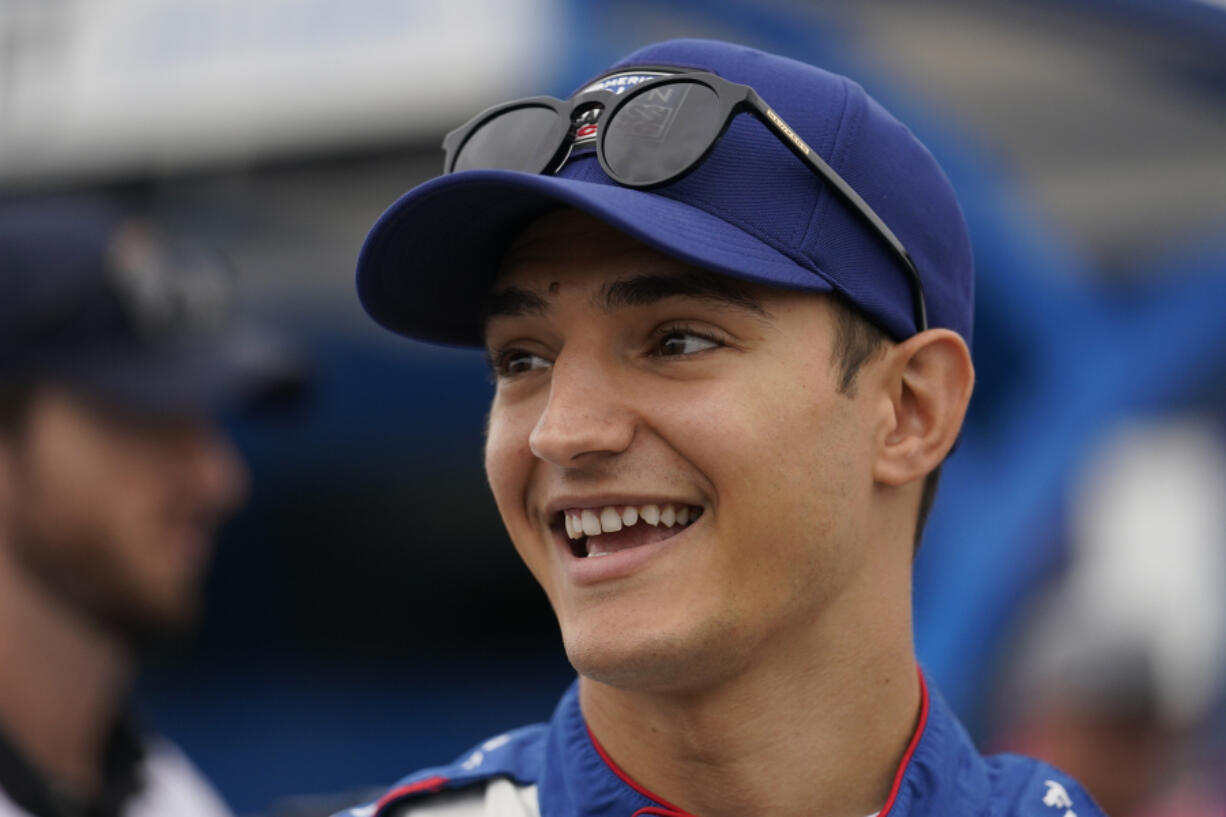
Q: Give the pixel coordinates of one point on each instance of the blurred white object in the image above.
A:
(101, 87)
(1148, 577)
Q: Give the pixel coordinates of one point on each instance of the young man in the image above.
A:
(114, 354)
(727, 300)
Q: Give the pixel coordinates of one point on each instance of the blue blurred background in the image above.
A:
(367, 615)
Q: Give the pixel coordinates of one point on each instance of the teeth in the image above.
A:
(610, 519)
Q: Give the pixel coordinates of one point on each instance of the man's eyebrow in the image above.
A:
(511, 302)
(650, 288)
(637, 290)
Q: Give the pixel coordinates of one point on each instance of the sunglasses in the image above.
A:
(651, 135)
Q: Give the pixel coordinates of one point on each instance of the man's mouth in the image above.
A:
(593, 532)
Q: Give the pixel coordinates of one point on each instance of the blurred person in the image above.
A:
(1116, 668)
(1099, 719)
(115, 355)
(724, 385)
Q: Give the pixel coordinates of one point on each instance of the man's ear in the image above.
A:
(929, 378)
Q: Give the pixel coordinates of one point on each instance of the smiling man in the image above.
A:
(727, 301)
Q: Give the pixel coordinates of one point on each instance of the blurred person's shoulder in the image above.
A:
(173, 785)
(166, 783)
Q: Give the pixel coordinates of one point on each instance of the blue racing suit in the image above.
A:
(560, 770)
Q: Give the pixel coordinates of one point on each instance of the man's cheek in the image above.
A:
(508, 484)
(496, 467)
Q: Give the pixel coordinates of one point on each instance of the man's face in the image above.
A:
(629, 383)
(114, 514)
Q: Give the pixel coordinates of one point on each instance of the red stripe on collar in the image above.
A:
(906, 757)
(667, 810)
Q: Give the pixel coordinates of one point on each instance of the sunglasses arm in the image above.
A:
(806, 154)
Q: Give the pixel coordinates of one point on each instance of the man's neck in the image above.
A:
(814, 729)
(62, 682)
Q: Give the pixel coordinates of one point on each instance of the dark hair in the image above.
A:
(856, 341)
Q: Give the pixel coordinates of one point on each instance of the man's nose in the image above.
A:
(588, 414)
(218, 471)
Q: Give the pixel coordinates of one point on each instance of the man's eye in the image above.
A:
(517, 361)
(677, 342)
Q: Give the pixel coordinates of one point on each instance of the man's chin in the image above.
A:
(647, 662)
(154, 626)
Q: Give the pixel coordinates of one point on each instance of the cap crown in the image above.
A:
(752, 181)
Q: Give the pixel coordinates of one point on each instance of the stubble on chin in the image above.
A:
(86, 578)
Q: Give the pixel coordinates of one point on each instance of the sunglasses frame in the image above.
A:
(733, 99)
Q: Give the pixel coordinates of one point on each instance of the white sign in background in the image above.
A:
(106, 87)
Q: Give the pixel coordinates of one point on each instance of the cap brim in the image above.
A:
(428, 262)
(239, 368)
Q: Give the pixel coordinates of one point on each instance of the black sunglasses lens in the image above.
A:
(517, 139)
(661, 132)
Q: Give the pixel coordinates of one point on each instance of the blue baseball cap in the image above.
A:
(99, 302)
(751, 209)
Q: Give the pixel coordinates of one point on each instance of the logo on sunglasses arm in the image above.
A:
(791, 134)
